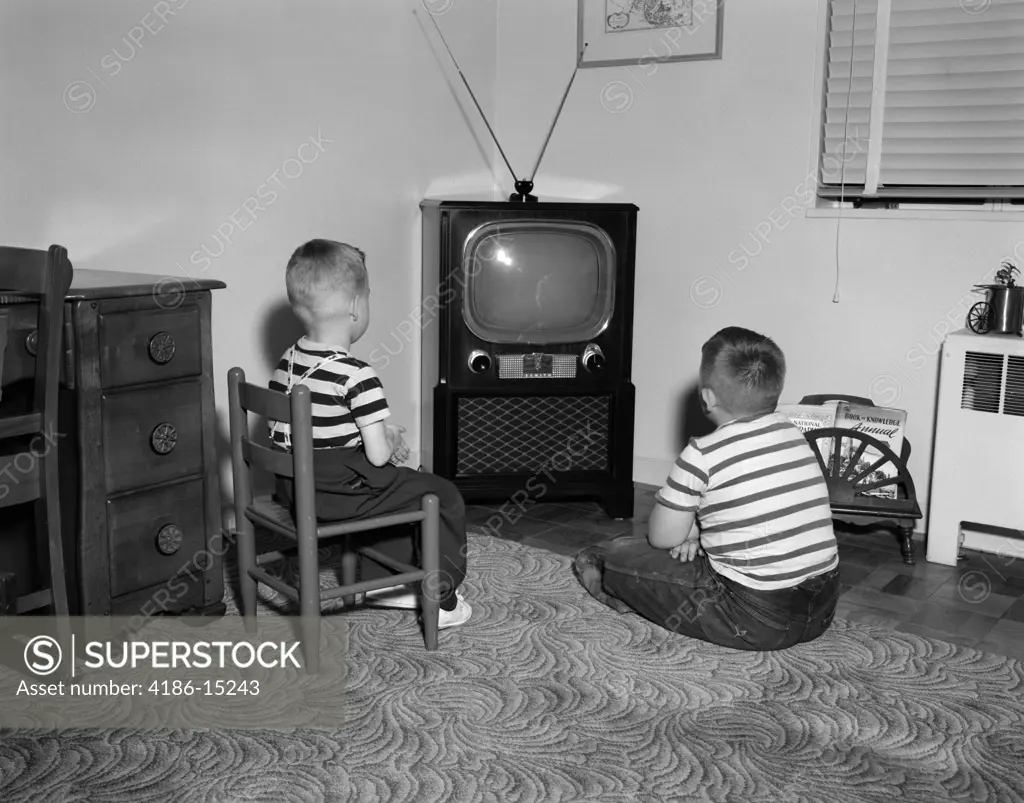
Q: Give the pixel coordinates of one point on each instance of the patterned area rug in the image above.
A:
(545, 695)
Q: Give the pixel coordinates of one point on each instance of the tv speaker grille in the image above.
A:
(530, 434)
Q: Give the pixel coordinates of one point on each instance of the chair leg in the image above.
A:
(907, 543)
(247, 562)
(349, 564)
(48, 521)
(309, 598)
(430, 601)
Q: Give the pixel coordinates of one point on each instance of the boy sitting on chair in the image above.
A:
(740, 550)
(356, 454)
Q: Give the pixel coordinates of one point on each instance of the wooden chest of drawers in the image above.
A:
(139, 483)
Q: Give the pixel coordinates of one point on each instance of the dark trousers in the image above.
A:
(348, 486)
(694, 600)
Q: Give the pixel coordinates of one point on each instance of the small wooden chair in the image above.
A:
(846, 487)
(302, 527)
(28, 430)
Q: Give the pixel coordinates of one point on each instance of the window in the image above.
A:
(924, 103)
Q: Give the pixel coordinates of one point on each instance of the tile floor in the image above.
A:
(979, 603)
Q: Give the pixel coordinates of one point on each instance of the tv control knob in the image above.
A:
(479, 362)
(593, 358)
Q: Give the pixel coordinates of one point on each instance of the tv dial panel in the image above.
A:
(538, 365)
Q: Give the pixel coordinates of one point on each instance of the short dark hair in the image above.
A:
(745, 370)
(325, 266)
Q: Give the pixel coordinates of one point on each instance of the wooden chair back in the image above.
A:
(42, 278)
(294, 409)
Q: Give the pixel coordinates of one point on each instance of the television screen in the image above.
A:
(538, 281)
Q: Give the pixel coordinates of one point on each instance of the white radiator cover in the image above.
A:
(978, 458)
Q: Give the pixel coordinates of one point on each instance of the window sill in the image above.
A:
(965, 215)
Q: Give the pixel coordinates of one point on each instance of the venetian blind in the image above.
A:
(949, 99)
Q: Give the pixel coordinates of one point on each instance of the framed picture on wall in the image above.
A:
(638, 32)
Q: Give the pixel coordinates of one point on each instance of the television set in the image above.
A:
(527, 352)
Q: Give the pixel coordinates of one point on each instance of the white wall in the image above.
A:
(709, 151)
(196, 119)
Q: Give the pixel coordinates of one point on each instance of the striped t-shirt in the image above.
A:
(346, 394)
(761, 500)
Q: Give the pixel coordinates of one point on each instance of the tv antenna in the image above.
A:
(523, 186)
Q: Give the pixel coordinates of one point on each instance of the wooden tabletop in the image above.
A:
(92, 284)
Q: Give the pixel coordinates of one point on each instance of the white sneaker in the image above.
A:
(404, 598)
(458, 616)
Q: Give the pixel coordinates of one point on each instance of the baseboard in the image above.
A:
(649, 471)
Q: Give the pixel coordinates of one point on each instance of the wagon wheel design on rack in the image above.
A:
(979, 318)
(849, 473)
(854, 477)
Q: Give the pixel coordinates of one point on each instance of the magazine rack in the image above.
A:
(847, 486)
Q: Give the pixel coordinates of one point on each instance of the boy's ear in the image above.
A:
(708, 400)
(353, 308)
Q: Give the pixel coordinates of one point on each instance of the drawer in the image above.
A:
(149, 346)
(176, 595)
(152, 435)
(155, 535)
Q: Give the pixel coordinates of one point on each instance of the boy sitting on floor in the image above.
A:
(740, 550)
(354, 450)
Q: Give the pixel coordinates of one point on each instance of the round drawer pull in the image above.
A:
(164, 438)
(161, 348)
(32, 342)
(169, 539)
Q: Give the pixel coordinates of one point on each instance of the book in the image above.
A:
(886, 424)
(813, 416)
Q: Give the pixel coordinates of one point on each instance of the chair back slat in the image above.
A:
(268, 403)
(294, 409)
(273, 460)
(23, 270)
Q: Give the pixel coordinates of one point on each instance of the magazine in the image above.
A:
(813, 416)
(885, 424)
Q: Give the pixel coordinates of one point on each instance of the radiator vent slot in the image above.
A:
(983, 379)
(1013, 396)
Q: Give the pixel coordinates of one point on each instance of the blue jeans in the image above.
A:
(694, 600)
